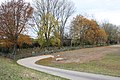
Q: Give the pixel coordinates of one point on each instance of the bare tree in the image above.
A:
(61, 10)
(14, 16)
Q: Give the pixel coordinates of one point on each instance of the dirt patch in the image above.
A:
(85, 55)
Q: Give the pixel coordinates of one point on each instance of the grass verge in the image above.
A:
(10, 70)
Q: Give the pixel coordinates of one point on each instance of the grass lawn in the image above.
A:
(9, 70)
(109, 64)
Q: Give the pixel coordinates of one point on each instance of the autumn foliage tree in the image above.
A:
(61, 10)
(86, 31)
(24, 39)
(77, 29)
(94, 34)
(21, 40)
(14, 16)
(49, 31)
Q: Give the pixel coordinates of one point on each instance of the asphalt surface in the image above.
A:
(72, 75)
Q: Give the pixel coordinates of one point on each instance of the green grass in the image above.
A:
(108, 65)
(9, 70)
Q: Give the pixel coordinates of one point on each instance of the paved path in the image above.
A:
(72, 75)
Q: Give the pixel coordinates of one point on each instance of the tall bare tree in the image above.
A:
(14, 16)
(60, 9)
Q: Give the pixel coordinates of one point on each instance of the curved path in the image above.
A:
(73, 75)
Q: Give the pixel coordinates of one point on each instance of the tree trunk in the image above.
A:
(14, 50)
(61, 41)
(47, 40)
(61, 36)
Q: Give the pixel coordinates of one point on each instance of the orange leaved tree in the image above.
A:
(14, 16)
(86, 31)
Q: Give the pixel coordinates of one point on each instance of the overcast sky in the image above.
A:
(108, 10)
(101, 9)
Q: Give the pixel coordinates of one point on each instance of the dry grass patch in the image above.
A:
(102, 60)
